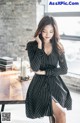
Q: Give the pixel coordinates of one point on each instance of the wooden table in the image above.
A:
(12, 90)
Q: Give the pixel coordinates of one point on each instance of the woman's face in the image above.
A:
(47, 32)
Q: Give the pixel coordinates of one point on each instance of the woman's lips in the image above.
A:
(47, 37)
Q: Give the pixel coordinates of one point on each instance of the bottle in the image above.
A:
(23, 72)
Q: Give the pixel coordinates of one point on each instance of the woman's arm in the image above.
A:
(56, 71)
(34, 54)
(62, 67)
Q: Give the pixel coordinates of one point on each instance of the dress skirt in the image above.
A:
(41, 92)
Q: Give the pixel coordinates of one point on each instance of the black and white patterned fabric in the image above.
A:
(44, 88)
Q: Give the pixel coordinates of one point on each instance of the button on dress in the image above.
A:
(44, 88)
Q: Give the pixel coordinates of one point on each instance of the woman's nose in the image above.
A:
(47, 34)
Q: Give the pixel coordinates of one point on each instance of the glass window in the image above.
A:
(70, 27)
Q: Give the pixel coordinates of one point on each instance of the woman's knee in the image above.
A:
(62, 113)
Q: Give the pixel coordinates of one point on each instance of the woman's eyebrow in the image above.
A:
(46, 30)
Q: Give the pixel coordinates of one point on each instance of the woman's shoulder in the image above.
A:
(31, 44)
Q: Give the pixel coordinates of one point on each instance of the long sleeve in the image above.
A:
(34, 54)
(62, 69)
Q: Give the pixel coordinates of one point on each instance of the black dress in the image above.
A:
(44, 88)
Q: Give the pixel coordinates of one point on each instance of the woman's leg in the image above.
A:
(58, 112)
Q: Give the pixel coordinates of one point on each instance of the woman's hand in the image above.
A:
(40, 72)
(39, 42)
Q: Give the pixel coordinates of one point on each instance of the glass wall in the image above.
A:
(69, 29)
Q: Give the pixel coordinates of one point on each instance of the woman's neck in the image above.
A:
(47, 43)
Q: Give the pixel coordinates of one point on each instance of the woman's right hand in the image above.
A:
(39, 42)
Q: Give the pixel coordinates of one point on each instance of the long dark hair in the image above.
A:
(46, 20)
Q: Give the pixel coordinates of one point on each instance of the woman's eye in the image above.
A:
(51, 32)
(47, 32)
(44, 31)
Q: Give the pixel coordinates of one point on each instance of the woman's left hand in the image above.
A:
(40, 72)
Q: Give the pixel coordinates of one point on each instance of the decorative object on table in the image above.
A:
(24, 68)
(21, 78)
(6, 63)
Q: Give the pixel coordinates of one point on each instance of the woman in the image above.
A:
(47, 94)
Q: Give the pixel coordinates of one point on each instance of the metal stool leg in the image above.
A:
(51, 119)
(2, 109)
